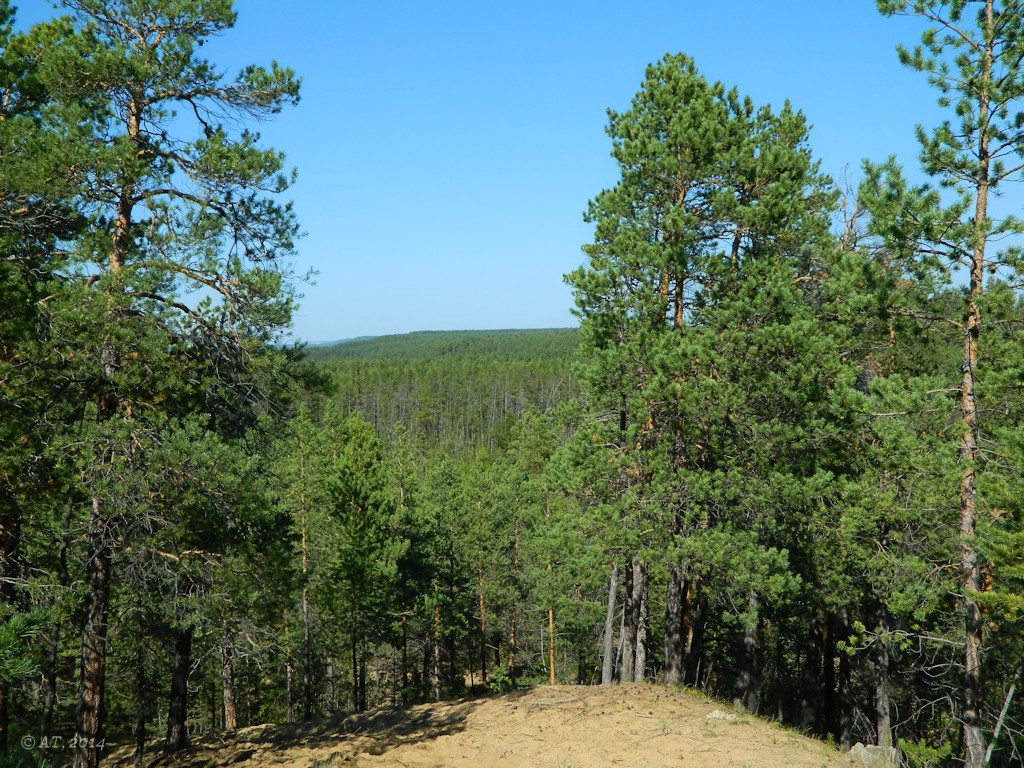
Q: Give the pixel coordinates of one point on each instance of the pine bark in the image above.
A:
(608, 648)
(141, 694)
(52, 671)
(880, 657)
(92, 672)
(675, 634)
(483, 624)
(227, 683)
(630, 614)
(748, 679)
(640, 601)
(551, 644)
(695, 632)
(973, 692)
(10, 535)
(307, 640)
(810, 695)
(177, 710)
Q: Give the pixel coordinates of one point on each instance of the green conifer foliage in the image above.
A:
(715, 392)
(176, 284)
(971, 54)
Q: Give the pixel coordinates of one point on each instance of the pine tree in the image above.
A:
(973, 60)
(701, 255)
(178, 211)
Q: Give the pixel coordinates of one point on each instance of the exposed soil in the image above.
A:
(583, 727)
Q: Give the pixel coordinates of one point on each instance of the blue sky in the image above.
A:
(446, 150)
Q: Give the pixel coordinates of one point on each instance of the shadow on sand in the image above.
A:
(324, 742)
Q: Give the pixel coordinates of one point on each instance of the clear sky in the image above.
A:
(447, 149)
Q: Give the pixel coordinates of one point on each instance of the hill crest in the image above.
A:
(640, 725)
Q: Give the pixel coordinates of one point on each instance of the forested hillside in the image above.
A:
(537, 344)
(780, 461)
(455, 390)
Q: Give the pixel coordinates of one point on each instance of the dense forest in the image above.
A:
(780, 460)
(453, 391)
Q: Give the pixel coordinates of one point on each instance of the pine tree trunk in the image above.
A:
(748, 677)
(883, 717)
(695, 633)
(51, 672)
(177, 710)
(608, 649)
(630, 614)
(483, 625)
(405, 658)
(289, 709)
(675, 612)
(92, 673)
(331, 701)
(973, 691)
(551, 644)
(810, 685)
(227, 684)
(10, 535)
(307, 639)
(513, 640)
(354, 697)
(640, 600)
(362, 674)
(845, 737)
(833, 702)
(435, 655)
(513, 645)
(141, 697)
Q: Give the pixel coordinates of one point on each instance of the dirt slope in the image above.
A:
(582, 727)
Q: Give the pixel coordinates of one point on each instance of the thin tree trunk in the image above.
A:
(10, 536)
(92, 673)
(362, 674)
(141, 695)
(354, 698)
(973, 691)
(748, 678)
(675, 611)
(551, 644)
(289, 709)
(883, 717)
(227, 684)
(1002, 714)
(405, 658)
(307, 641)
(331, 703)
(608, 650)
(483, 625)
(841, 724)
(809, 688)
(640, 601)
(435, 656)
(513, 644)
(695, 633)
(177, 710)
(845, 709)
(52, 671)
(630, 614)
(513, 641)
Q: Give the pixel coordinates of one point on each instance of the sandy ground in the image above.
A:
(563, 726)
